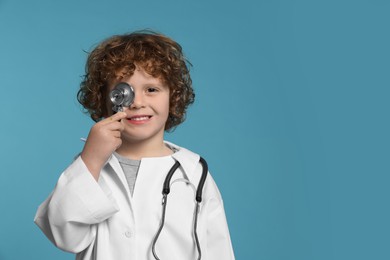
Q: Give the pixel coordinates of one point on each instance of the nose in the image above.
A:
(138, 101)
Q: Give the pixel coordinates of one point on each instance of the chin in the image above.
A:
(141, 136)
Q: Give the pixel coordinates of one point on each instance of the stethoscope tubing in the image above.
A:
(198, 198)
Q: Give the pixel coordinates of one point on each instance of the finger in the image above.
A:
(115, 117)
(117, 134)
(115, 126)
(118, 116)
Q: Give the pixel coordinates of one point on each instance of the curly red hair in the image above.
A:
(119, 56)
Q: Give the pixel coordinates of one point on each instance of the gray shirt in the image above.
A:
(130, 168)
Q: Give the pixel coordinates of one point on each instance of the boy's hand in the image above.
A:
(103, 139)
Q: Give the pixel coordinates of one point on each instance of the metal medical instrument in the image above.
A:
(198, 198)
(122, 96)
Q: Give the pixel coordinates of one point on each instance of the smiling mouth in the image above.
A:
(139, 118)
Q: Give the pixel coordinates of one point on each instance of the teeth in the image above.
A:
(139, 118)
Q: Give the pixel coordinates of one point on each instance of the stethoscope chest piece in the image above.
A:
(121, 96)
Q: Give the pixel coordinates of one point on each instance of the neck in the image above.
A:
(138, 150)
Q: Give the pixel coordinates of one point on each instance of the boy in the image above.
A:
(107, 203)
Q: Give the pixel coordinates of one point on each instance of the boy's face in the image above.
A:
(147, 116)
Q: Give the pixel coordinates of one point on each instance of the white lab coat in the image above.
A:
(101, 221)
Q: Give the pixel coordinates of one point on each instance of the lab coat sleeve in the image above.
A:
(68, 216)
(219, 245)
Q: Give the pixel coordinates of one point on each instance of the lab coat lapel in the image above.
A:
(188, 161)
(118, 171)
(150, 177)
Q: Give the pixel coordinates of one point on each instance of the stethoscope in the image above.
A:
(123, 95)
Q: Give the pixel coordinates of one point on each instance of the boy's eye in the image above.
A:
(151, 90)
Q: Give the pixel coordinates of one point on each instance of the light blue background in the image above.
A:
(292, 114)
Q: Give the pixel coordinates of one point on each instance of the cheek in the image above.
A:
(165, 104)
(167, 107)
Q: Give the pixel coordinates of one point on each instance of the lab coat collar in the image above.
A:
(187, 159)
